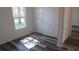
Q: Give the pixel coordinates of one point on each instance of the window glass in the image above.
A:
(19, 16)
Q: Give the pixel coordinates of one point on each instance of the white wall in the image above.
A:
(7, 29)
(67, 23)
(75, 16)
(60, 27)
(47, 20)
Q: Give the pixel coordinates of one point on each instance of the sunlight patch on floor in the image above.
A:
(29, 42)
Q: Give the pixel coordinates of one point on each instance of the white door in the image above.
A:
(50, 21)
(39, 20)
(47, 21)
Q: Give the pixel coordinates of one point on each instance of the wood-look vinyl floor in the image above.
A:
(72, 43)
(16, 45)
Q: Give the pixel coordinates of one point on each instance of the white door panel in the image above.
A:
(38, 20)
(50, 16)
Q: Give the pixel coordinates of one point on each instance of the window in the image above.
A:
(19, 15)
